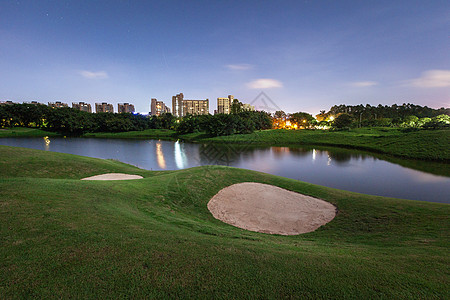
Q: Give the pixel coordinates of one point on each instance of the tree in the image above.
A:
(302, 119)
(342, 121)
(236, 107)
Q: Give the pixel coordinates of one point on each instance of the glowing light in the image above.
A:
(314, 154)
(179, 156)
(288, 123)
(47, 143)
(160, 156)
(331, 118)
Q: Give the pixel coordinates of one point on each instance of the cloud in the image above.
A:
(432, 79)
(94, 75)
(264, 83)
(240, 67)
(364, 83)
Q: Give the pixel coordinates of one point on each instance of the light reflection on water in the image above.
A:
(342, 169)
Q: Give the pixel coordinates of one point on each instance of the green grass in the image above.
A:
(24, 132)
(144, 134)
(65, 238)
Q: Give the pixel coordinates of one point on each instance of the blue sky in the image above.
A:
(304, 55)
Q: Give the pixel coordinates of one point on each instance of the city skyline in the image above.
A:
(306, 56)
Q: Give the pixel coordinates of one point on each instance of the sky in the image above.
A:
(303, 55)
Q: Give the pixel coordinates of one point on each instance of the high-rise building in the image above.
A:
(125, 108)
(224, 104)
(158, 107)
(104, 107)
(57, 104)
(248, 107)
(182, 107)
(82, 106)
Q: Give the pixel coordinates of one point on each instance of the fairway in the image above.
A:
(62, 237)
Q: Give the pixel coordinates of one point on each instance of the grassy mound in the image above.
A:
(154, 237)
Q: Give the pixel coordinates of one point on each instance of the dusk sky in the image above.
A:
(305, 55)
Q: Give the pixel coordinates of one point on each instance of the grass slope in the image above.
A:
(25, 132)
(61, 237)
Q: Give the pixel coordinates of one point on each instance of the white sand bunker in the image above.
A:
(113, 176)
(270, 209)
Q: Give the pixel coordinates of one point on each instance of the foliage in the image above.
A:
(343, 121)
(367, 115)
(236, 106)
(302, 119)
(243, 122)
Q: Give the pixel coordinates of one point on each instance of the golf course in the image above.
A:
(62, 237)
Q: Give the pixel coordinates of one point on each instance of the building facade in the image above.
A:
(104, 107)
(57, 104)
(224, 104)
(82, 106)
(181, 107)
(125, 108)
(248, 107)
(158, 108)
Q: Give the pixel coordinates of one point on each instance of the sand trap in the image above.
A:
(270, 209)
(113, 176)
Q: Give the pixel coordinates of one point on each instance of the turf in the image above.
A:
(154, 237)
(25, 132)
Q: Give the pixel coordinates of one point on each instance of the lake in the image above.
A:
(338, 168)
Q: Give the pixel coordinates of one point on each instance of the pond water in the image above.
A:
(337, 168)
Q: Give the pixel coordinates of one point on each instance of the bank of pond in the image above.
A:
(344, 169)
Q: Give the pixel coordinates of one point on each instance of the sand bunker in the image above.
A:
(113, 176)
(270, 209)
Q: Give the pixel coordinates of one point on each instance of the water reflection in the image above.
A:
(160, 156)
(47, 143)
(180, 157)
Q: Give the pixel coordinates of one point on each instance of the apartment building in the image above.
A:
(125, 108)
(224, 105)
(181, 107)
(158, 108)
(104, 107)
(57, 104)
(82, 106)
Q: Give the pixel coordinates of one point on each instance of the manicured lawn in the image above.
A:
(144, 134)
(24, 132)
(65, 238)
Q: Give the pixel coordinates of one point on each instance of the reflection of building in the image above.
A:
(158, 108)
(104, 107)
(125, 108)
(57, 104)
(224, 104)
(182, 107)
(82, 106)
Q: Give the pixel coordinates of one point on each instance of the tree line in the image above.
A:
(72, 122)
